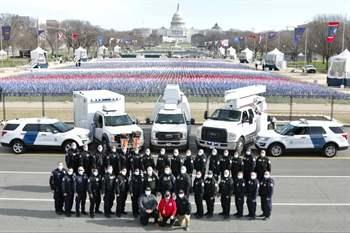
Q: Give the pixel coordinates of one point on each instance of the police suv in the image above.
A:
(326, 137)
(24, 133)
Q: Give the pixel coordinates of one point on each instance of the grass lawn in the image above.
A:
(321, 68)
(13, 62)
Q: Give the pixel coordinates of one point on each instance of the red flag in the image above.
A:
(252, 36)
(332, 31)
(75, 36)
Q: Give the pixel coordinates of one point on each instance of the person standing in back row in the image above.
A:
(226, 190)
(121, 191)
(200, 162)
(68, 183)
(136, 190)
(249, 164)
(239, 192)
(81, 186)
(198, 190)
(162, 161)
(176, 163)
(108, 187)
(210, 190)
(94, 191)
(252, 190)
(147, 160)
(214, 163)
(263, 164)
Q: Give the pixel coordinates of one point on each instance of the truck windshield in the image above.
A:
(226, 115)
(118, 120)
(170, 119)
(62, 127)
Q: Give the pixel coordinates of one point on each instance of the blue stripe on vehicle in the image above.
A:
(30, 137)
(318, 141)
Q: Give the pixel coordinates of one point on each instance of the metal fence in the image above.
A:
(287, 107)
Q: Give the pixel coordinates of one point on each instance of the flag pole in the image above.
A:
(37, 32)
(305, 60)
(344, 28)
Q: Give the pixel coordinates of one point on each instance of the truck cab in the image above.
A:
(103, 112)
(237, 122)
(171, 120)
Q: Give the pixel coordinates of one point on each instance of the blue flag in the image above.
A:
(100, 40)
(298, 34)
(6, 32)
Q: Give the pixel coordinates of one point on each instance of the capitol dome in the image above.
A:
(177, 20)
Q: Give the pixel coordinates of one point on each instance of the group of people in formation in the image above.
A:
(160, 186)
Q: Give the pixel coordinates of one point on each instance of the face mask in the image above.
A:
(248, 153)
(81, 172)
(114, 150)
(210, 176)
(266, 176)
(124, 151)
(60, 167)
(226, 175)
(95, 173)
(253, 177)
(181, 195)
(74, 147)
(167, 197)
(149, 173)
(162, 152)
(136, 152)
(235, 156)
(183, 171)
(110, 171)
(148, 193)
(70, 173)
(99, 149)
(137, 173)
(176, 154)
(198, 176)
(240, 177)
(167, 171)
(188, 154)
(86, 149)
(123, 173)
(148, 153)
(225, 153)
(262, 155)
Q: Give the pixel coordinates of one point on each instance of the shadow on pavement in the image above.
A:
(44, 214)
(28, 188)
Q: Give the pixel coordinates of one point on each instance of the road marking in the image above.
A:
(310, 158)
(216, 203)
(25, 172)
(292, 176)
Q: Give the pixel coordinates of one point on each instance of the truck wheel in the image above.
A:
(240, 145)
(18, 147)
(276, 150)
(330, 150)
(67, 144)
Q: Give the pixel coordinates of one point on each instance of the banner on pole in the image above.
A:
(298, 34)
(75, 36)
(272, 35)
(332, 31)
(6, 32)
(100, 40)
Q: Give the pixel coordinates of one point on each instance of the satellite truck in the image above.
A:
(237, 123)
(171, 120)
(103, 112)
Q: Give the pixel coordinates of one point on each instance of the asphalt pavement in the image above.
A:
(311, 195)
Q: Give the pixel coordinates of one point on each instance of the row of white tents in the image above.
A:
(339, 70)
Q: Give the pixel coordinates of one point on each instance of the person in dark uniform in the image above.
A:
(188, 163)
(94, 191)
(162, 161)
(147, 160)
(214, 163)
(135, 161)
(136, 190)
(266, 191)
(263, 164)
(198, 191)
(115, 160)
(237, 165)
(121, 191)
(183, 182)
(226, 190)
(183, 210)
(68, 184)
(167, 182)
(123, 160)
(107, 160)
(108, 188)
(239, 192)
(252, 190)
(249, 164)
(200, 162)
(150, 180)
(86, 163)
(176, 163)
(81, 186)
(225, 162)
(99, 160)
(71, 157)
(56, 187)
(210, 190)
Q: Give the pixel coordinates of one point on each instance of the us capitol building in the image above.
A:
(177, 31)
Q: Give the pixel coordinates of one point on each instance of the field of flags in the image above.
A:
(143, 77)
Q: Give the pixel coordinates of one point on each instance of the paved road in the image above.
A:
(312, 195)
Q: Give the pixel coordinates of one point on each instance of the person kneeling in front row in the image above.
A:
(167, 210)
(148, 207)
(183, 213)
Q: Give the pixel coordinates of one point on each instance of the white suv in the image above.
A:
(24, 133)
(324, 136)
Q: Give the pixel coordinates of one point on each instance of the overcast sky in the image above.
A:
(257, 15)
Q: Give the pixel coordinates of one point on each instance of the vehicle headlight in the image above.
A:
(199, 132)
(82, 136)
(263, 139)
(112, 138)
(231, 137)
(184, 134)
(154, 133)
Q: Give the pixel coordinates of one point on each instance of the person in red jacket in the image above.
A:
(167, 209)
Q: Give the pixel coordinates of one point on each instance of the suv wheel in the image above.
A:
(276, 150)
(330, 150)
(67, 145)
(18, 147)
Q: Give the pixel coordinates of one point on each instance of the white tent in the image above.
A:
(3, 55)
(102, 52)
(339, 69)
(232, 53)
(222, 51)
(38, 58)
(117, 49)
(274, 60)
(246, 56)
(80, 53)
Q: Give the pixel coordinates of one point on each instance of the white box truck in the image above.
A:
(237, 122)
(171, 119)
(103, 112)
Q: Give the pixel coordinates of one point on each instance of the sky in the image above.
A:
(255, 15)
